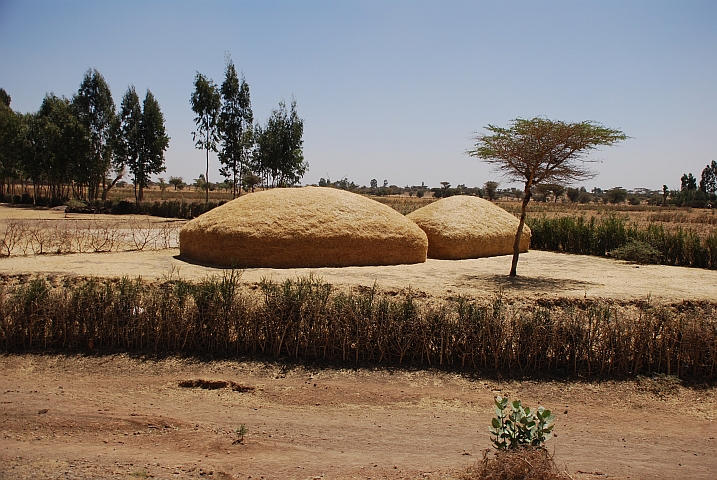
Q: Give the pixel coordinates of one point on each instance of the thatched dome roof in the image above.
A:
(302, 227)
(468, 227)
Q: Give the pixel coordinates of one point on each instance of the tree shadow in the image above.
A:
(532, 283)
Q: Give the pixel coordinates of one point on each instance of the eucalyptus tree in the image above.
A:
(235, 127)
(206, 102)
(708, 179)
(5, 98)
(11, 127)
(154, 143)
(142, 139)
(688, 182)
(539, 150)
(95, 109)
(129, 141)
(56, 145)
(279, 154)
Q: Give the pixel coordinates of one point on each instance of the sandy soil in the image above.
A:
(124, 417)
(541, 274)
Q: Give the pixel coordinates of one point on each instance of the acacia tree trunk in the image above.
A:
(516, 244)
(206, 179)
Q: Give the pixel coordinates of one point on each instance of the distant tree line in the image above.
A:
(692, 194)
(80, 147)
(251, 155)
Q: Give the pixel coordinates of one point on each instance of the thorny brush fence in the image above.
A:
(308, 319)
(29, 237)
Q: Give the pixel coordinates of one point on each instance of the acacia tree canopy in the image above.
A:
(539, 150)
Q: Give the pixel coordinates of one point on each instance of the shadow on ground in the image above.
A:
(507, 283)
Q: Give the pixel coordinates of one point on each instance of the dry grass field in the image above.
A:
(702, 221)
(124, 416)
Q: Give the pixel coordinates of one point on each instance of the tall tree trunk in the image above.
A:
(516, 244)
(107, 188)
(104, 188)
(234, 186)
(206, 179)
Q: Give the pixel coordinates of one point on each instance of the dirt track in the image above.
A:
(118, 417)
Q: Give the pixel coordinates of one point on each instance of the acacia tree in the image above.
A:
(178, 182)
(96, 111)
(539, 150)
(235, 127)
(205, 103)
(491, 190)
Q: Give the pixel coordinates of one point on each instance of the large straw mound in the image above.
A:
(302, 227)
(468, 227)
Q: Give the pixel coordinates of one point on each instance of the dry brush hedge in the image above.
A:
(30, 237)
(310, 320)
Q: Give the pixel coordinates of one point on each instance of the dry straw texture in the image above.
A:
(302, 227)
(308, 319)
(468, 227)
(522, 464)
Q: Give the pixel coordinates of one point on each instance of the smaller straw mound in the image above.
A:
(463, 226)
(302, 228)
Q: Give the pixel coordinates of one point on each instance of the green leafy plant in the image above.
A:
(637, 252)
(240, 432)
(516, 426)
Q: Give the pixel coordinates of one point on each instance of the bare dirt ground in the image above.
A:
(121, 417)
(124, 417)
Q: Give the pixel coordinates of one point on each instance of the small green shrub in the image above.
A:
(517, 426)
(240, 432)
(72, 203)
(637, 252)
(661, 385)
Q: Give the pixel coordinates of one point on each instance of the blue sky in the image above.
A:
(395, 89)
